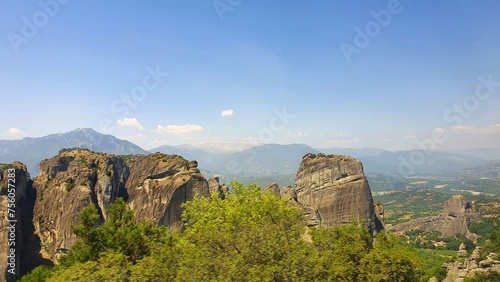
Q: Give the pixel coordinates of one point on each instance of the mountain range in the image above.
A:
(263, 163)
(31, 151)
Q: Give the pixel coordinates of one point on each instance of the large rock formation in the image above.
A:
(154, 186)
(333, 190)
(14, 181)
(455, 218)
(68, 183)
(159, 184)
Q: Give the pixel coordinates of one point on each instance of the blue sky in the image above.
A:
(386, 74)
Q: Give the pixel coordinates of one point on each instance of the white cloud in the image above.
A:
(227, 113)
(14, 132)
(179, 129)
(131, 122)
(466, 136)
(250, 140)
(471, 130)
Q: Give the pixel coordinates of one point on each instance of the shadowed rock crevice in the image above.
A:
(31, 255)
(25, 243)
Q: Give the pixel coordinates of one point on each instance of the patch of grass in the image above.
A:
(445, 253)
(70, 186)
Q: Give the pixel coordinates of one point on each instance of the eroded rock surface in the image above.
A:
(333, 190)
(160, 183)
(154, 186)
(455, 218)
(273, 188)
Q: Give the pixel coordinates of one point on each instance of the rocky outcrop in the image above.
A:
(333, 190)
(379, 213)
(14, 182)
(68, 183)
(455, 218)
(273, 188)
(288, 192)
(466, 267)
(214, 186)
(159, 184)
(154, 186)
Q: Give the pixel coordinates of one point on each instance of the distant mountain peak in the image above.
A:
(31, 151)
(85, 129)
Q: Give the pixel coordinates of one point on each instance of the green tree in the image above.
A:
(391, 260)
(432, 264)
(110, 266)
(340, 250)
(39, 274)
(86, 248)
(120, 233)
(105, 252)
(162, 263)
(492, 245)
(248, 236)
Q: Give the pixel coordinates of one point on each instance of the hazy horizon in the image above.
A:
(227, 146)
(395, 75)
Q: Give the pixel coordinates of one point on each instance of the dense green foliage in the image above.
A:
(486, 277)
(492, 245)
(485, 227)
(433, 261)
(425, 240)
(247, 236)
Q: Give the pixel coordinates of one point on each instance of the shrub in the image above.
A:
(70, 186)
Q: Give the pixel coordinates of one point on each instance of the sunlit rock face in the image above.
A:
(154, 186)
(333, 190)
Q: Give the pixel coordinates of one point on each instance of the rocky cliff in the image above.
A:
(14, 181)
(159, 184)
(333, 190)
(455, 218)
(154, 186)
